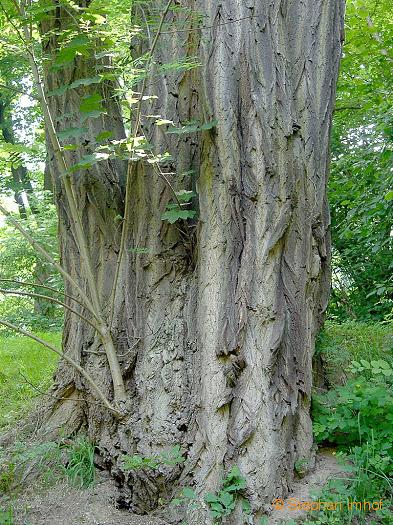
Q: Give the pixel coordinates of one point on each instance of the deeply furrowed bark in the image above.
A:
(223, 311)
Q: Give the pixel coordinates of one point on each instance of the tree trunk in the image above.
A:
(219, 314)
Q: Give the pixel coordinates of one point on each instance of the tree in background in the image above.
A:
(361, 185)
(22, 178)
(196, 248)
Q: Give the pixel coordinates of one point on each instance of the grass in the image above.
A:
(80, 468)
(19, 355)
(357, 340)
(340, 344)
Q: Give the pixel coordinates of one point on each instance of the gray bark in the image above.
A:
(220, 314)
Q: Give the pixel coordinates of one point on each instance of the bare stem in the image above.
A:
(52, 300)
(47, 256)
(36, 285)
(104, 331)
(127, 207)
(69, 360)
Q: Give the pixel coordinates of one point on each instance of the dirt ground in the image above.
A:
(326, 467)
(64, 505)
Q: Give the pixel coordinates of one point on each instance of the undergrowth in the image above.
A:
(357, 418)
(26, 369)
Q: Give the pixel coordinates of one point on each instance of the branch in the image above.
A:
(16, 90)
(48, 257)
(69, 360)
(36, 285)
(53, 300)
(127, 209)
(78, 230)
(42, 393)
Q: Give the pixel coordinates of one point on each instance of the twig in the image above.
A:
(47, 394)
(69, 360)
(127, 209)
(48, 257)
(36, 285)
(16, 90)
(53, 300)
(131, 349)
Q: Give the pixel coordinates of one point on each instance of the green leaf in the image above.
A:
(104, 135)
(192, 127)
(211, 498)
(389, 196)
(77, 46)
(71, 133)
(185, 195)
(189, 493)
(87, 161)
(227, 499)
(77, 83)
(246, 506)
(176, 214)
(91, 106)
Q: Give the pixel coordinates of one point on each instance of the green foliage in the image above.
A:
(18, 356)
(80, 467)
(361, 176)
(340, 344)
(19, 261)
(166, 458)
(6, 517)
(175, 211)
(355, 412)
(222, 503)
(7, 476)
(193, 127)
(358, 418)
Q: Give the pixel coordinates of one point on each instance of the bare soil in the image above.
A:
(326, 467)
(66, 505)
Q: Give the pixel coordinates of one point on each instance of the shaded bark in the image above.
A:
(217, 319)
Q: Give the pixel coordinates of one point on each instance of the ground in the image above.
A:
(65, 505)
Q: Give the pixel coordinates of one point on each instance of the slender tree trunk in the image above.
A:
(219, 315)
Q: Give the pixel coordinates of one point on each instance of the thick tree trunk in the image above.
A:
(219, 314)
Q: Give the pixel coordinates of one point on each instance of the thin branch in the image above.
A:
(47, 394)
(36, 285)
(48, 257)
(127, 209)
(69, 360)
(16, 90)
(52, 300)
(10, 20)
(80, 237)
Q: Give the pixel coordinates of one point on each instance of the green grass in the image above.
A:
(20, 355)
(340, 344)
